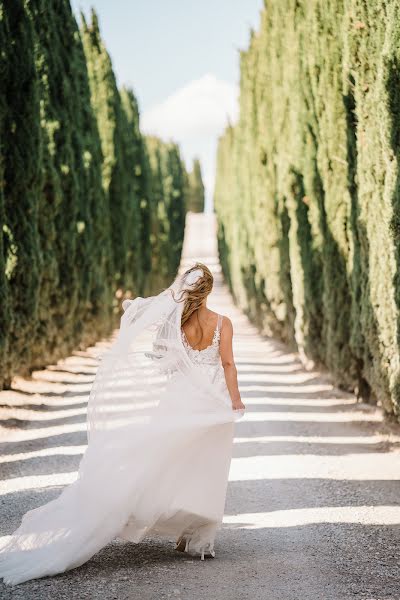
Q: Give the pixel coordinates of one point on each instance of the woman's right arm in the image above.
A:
(228, 363)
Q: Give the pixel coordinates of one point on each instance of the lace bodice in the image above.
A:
(206, 356)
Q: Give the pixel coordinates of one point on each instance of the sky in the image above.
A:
(181, 58)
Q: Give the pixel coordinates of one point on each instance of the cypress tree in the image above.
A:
(20, 158)
(307, 189)
(196, 188)
(119, 180)
(73, 224)
(158, 232)
(174, 186)
(137, 164)
(81, 202)
(169, 181)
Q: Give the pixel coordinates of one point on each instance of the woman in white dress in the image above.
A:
(160, 421)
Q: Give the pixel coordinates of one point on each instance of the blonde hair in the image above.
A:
(198, 292)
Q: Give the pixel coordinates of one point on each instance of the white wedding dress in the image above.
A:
(160, 427)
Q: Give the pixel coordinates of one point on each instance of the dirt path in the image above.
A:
(313, 505)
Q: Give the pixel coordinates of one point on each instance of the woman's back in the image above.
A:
(200, 330)
(201, 336)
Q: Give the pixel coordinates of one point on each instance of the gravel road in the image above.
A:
(312, 510)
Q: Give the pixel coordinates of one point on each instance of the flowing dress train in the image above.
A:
(160, 427)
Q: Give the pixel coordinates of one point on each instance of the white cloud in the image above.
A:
(194, 116)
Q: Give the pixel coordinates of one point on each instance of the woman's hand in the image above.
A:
(238, 405)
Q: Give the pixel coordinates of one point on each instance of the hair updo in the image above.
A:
(198, 292)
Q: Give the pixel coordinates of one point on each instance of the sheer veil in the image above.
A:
(130, 384)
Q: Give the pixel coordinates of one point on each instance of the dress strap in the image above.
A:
(219, 322)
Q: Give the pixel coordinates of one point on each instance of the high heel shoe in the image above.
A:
(182, 545)
(209, 553)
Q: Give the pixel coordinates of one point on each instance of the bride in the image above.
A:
(160, 423)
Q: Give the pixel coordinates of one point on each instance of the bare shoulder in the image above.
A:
(226, 324)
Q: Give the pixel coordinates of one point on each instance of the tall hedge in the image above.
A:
(76, 189)
(196, 188)
(307, 189)
(117, 141)
(20, 158)
(168, 201)
(141, 188)
(74, 294)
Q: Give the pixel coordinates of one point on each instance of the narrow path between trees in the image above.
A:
(312, 509)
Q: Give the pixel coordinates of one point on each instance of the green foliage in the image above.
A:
(118, 146)
(75, 189)
(20, 155)
(308, 194)
(196, 188)
(141, 188)
(168, 188)
(74, 290)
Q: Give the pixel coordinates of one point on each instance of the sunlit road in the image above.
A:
(313, 504)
